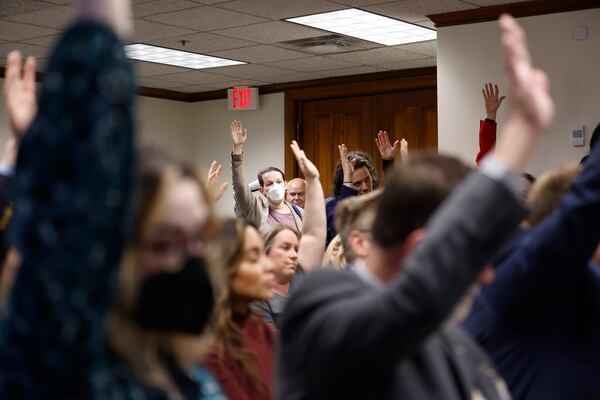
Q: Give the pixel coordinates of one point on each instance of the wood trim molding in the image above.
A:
(524, 9)
(352, 83)
(349, 79)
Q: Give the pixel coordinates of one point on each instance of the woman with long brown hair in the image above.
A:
(242, 359)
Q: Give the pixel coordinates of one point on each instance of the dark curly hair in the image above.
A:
(362, 160)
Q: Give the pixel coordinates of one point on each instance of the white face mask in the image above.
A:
(276, 193)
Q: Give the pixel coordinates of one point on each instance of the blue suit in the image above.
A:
(540, 319)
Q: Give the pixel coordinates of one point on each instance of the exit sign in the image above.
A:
(242, 99)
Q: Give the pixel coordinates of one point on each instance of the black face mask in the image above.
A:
(178, 302)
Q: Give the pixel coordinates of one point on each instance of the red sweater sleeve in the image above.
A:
(487, 138)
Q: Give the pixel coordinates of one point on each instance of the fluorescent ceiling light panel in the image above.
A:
(367, 26)
(178, 58)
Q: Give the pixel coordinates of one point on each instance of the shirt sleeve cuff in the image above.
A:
(498, 170)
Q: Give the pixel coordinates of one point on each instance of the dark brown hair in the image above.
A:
(264, 170)
(362, 160)
(412, 193)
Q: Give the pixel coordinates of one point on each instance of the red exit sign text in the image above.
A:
(242, 99)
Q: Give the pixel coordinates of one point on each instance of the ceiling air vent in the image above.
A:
(329, 44)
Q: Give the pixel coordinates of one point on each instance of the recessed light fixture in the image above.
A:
(367, 26)
(178, 58)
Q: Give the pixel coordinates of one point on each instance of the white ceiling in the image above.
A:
(246, 30)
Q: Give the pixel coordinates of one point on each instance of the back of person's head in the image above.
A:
(547, 192)
(362, 160)
(356, 215)
(593, 141)
(145, 260)
(412, 193)
(594, 138)
(334, 254)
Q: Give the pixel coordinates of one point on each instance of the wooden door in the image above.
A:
(411, 115)
(354, 121)
(328, 123)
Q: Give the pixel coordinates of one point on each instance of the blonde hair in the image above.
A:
(547, 192)
(334, 254)
(356, 214)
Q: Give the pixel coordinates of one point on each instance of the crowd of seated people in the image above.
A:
(437, 281)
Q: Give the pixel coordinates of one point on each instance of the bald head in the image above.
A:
(295, 191)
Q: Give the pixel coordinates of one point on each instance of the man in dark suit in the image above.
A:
(376, 331)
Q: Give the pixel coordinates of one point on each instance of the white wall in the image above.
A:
(469, 55)
(199, 134)
(167, 124)
(264, 146)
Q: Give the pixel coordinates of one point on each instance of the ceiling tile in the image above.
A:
(271, 32)
(44, 41)
(417, 10)
(26, 49)
(377, 56)
(258, 54)
(193, 77)
(54, 17)
(428, 48)
(157, 83)
(145, 69)
(426, 62)
(427, 24)
(357, 3)
(365, 69)
(161, 6)
(147, 30)
(209, 1)
(494, 2)
(203, 42)
(251, 71)
(296, 76)
(206, 18)
(192, 89)
(310, 64)
(277, 9)
(234, 83)
(15, 31)
(12, 7)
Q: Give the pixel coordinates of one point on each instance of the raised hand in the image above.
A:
(387, 151)
(492, 100)
(238, 136)
(529, 89)
(19, 93)
(347, 165)
(214, 188)
(404, 150)
(309, 170)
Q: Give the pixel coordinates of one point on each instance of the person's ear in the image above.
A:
(261, 189)
(413, 240)
(487, 276)
(359, 243)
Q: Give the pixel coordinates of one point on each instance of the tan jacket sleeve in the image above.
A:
(245, 200)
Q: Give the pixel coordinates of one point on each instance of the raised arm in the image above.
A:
(243, 196)
(214, 187)
(386, 149)
(487, 128)
(72, 189)
(314, 227)
(389, 323)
